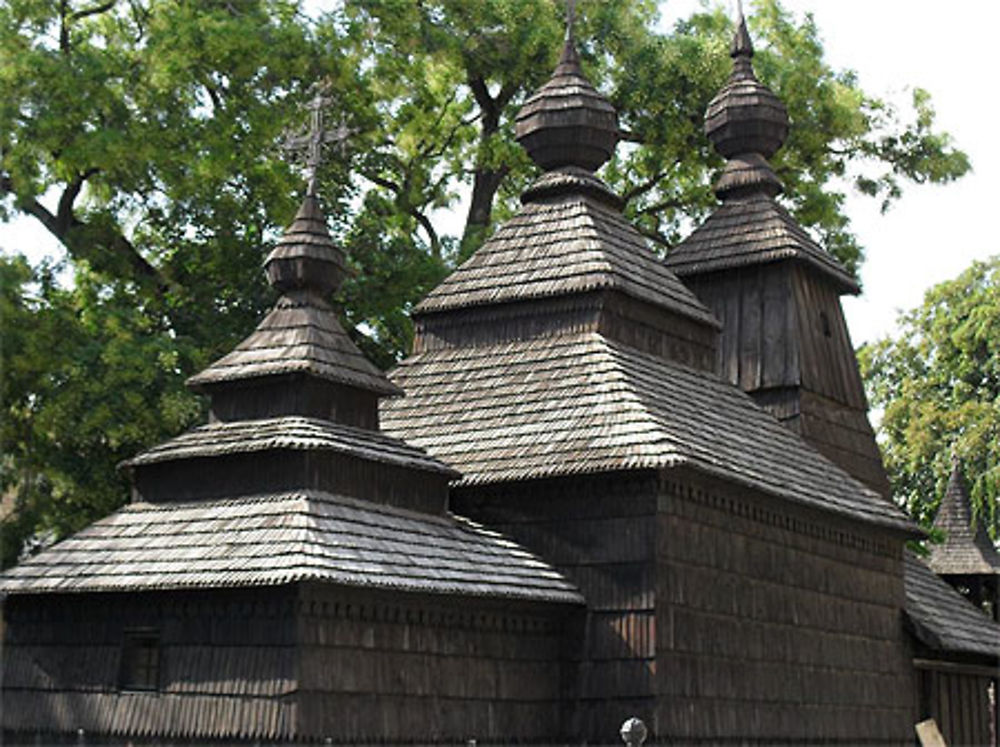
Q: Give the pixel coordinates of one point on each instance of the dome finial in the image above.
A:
(567, 122)
(746, 123)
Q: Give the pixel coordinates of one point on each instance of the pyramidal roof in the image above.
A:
(301, 334)
(570, 236)
(249, 500)
(570, 397)
(967, 549)
(747, 124)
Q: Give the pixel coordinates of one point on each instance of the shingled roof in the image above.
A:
(582, 403)
(301, 334)
(747, 124)
(570, 237)
(942, 619)
(751, 230)
(291, 433)
(299, 530)
(283, 538)
(967, 549)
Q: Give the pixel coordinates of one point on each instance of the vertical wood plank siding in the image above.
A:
(386, 668)
(227, 665)
(774, 625)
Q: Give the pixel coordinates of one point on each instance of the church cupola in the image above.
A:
(568, 122)
(747, 124)
(773, 287)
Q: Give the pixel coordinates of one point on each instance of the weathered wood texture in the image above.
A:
(785, 342)
(227, 666)
(295, 394)
(775, 624)
(618, 317)
(960, 703)
(275, 470)
(599, 531)
(398, 668)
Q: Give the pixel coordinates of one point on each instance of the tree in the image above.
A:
(145, 136)
(938, 385)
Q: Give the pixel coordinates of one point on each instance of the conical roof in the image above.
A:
(747, 123)
(967, 549)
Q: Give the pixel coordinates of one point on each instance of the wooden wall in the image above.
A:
(617, 316)
(785, 341)
(227, 666)
(390, 668)
(288, 470)
(782, 326)
(775, 624)
(600, 531)
(958, 699)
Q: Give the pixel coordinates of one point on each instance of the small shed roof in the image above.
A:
(942, 618)
(752, 230)
(583, 403)
(287, 537)
(967, 549)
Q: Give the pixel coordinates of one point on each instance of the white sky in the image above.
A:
(932, 233)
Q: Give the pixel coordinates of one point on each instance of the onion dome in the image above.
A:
(567, 122)
(746, 123)
(306, 257)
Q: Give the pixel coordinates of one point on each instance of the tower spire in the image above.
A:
(746, 123)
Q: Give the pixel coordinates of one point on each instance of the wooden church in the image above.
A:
(613, 487)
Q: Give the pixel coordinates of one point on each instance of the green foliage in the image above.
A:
(939, 386)
(144, 135)
(88, 380)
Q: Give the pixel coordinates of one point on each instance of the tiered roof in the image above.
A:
(747, 124)
(318, 523)
(281, 538)
(967, 549)
(566, 398)
(581, 403)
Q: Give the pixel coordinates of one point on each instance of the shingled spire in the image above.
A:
(747, 124)
(967, 558)
(568, 122)
(784, 338)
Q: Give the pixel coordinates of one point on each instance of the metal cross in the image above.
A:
(318, 135)
(570, 19)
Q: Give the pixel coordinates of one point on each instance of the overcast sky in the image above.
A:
(932, 233)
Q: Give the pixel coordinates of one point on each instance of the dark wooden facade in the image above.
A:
(287, 573)
(303, 662)
(785, 342)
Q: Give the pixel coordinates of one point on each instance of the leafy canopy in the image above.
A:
(938, 385)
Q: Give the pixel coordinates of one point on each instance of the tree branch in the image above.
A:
(93, 10)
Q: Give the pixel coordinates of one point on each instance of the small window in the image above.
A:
(140, 668)
(824, 323)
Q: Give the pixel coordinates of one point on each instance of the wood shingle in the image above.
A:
(284, 538)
